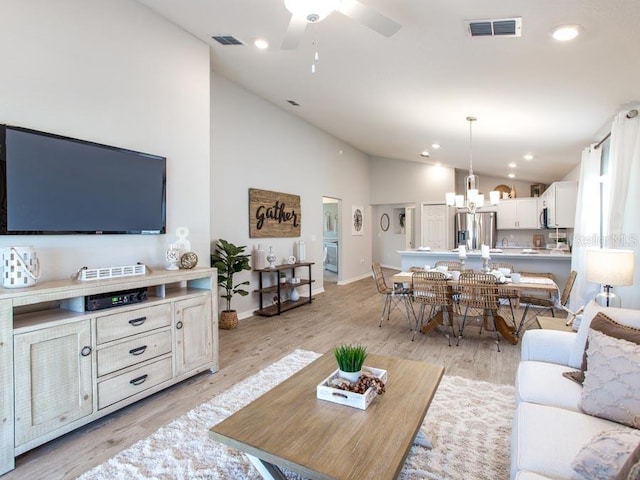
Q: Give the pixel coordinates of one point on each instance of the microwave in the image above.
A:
(544, 218)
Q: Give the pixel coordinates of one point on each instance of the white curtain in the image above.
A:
(587, 226)
(621, 216)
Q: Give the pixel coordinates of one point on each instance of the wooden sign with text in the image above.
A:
(273, 214)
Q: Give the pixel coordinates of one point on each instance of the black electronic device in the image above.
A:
(51, 184)
(114, 299)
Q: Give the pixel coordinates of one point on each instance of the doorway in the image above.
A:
(330, 239)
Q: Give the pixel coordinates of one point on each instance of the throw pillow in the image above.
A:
(608, 326)
(610, 455)
(610, 388)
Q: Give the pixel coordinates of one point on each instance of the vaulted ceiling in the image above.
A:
(395, 96)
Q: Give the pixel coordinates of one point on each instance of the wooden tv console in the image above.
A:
(62, 367)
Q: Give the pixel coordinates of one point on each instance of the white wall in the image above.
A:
(255, 144)
(113, 73)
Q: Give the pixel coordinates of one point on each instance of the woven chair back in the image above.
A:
(478, 290)
(497, 265)
(432, 288)
(564, 298)
(449, 265)
(381, 285)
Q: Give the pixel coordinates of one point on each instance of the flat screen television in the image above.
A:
(52, 184)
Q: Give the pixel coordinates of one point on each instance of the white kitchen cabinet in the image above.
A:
(518, 213)
(63, 366)
(560, 201)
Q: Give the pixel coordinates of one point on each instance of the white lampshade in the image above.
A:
(494, 197)
(459, 201)
(472, 193)
(480, 200)
(610, 267)
(450, 198)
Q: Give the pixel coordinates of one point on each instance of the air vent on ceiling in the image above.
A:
(294, 103)
(502, 27)
(226, 40)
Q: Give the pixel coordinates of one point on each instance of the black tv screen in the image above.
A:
(52, 184)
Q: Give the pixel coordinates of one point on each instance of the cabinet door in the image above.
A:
(193, 334)
(507, 214)
(528, 213)
(53, 378)
(566, 198)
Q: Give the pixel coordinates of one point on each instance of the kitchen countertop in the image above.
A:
(505, 253)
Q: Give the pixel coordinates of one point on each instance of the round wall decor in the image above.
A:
(384, 222)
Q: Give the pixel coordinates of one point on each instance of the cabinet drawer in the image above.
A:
(136, 350)
(112, 327)
(133, 382)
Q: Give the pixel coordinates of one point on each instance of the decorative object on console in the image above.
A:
(271, 258)
(609, 267)
(21, 267)
(350, 359)
(229, 260)
(259, 260)
(294, 296)
(473, 199)
(301, 251)
(85, 274)
(291, 260)
(182, 243)
(172, 255)
(188, 260)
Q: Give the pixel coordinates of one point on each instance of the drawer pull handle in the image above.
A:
(85, 352)
(136, 322)
(138, 381)
(138, 351)
(179, 325)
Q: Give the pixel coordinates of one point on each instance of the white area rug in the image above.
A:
(469, 423)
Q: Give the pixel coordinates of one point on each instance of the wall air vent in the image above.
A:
(293, 102)
(227, 40)
(503, 27)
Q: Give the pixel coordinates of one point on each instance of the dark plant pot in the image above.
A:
(228, 319)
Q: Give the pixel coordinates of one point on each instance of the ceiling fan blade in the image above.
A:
(294, 32)
(369, 17)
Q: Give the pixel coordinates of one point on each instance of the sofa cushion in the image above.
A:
(543, 383)
(624, 316)
(610, 388)
(545, 440)
(609, 455)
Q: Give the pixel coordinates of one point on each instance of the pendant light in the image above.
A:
(472, 200)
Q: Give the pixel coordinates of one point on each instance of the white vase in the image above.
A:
(294, 296)
(351, 376)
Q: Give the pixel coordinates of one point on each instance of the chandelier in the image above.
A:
(473, 199)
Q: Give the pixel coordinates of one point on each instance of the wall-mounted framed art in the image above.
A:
(273, 214)
(384, 222)
(357, 220)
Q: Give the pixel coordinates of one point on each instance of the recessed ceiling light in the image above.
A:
(512, 165)
(512, 175)
(261, 43)
(527, 156)
(435, 146)
(424, 154)
(564, 33)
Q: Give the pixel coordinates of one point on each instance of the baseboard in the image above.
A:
(355, 279)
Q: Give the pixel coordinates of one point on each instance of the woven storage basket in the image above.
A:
(228, 320)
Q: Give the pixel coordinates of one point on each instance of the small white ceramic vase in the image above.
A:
(351, 376)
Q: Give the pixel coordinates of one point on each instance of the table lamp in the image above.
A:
(609, 267)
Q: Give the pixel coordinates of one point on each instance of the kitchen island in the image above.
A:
(540, 261)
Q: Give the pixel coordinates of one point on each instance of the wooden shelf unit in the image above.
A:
(277, 288)
(62, 366)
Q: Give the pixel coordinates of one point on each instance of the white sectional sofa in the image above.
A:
(549, 426)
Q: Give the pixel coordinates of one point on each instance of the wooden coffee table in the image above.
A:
(289, 427)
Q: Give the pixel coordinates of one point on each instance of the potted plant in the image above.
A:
(350, 359)
(229, 260)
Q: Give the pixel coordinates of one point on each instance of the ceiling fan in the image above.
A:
(304, 12)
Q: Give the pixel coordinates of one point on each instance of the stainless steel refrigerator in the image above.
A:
(476, 229)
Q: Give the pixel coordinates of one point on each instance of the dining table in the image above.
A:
(508, 290)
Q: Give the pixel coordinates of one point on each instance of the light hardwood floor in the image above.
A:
(343, 314)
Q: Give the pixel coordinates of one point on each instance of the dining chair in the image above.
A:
(479, 291)
(497, 265)
(539, 304)
(397, 296)
(416, 269)
(432, 289)
(449, 264)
